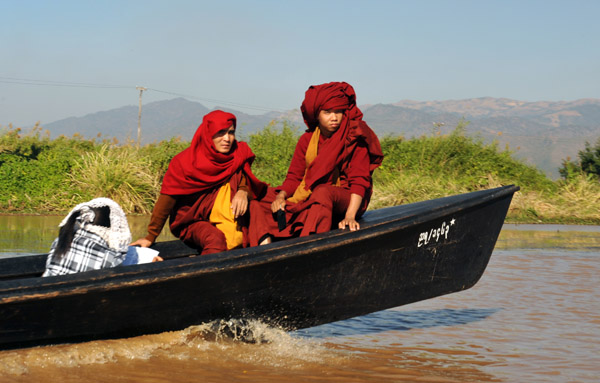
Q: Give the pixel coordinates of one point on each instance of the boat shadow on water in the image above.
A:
(395, 320)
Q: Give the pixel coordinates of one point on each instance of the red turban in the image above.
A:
(200, 167)
(338, 148)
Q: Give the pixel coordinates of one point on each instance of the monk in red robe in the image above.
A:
(206, 189)
(329, 179)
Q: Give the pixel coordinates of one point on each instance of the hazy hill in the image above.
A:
(542, 133)
(160, 120)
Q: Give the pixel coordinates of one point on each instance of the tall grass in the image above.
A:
(577, 201)
(118, 173)
(440, 165)
(42, 175)
(456, 159)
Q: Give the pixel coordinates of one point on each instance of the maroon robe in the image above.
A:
(192, 183)
(352, 151)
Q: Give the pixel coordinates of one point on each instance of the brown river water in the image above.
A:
(533, 317)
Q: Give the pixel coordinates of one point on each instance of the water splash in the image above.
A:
(222, 341)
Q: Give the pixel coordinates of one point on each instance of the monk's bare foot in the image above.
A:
(266, 241)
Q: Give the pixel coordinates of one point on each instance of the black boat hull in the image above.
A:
(400, 255)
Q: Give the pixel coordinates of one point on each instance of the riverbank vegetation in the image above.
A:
(40, 175)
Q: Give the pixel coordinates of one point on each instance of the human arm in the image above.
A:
(279, 203)
(160, 213)
(142, 242)
(239, 203)
(359, 180)
(294, 176)
(297, 167)
(350, 218)
(358, 173)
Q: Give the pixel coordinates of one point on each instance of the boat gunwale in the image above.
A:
(401, 217)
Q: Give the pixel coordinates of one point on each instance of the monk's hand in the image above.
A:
(157, 259)
(142, 242)
(279, 203)
(350, 222)
(239, 203)
(350, 216)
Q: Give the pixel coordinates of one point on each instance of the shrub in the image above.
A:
(162, 153)
(274, 148)
(457, 159)
(33, 169)
(43, 175)
(588, 164)
(118, 173)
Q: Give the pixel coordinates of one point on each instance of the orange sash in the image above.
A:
(302, 193)
(222, 217)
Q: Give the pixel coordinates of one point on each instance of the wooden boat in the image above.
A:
(400, 255)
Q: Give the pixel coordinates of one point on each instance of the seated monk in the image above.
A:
(206, 189)
(329, 178)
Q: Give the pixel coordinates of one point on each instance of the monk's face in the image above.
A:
(224, 139)
(330, 120)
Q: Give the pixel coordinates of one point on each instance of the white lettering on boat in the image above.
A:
(435, 233)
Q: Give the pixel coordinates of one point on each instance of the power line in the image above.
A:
(25, 81)
(215, 101)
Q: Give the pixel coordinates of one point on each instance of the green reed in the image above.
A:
(118, 173)
(39, 174)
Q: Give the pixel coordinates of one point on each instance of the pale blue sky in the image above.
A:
(70, 58)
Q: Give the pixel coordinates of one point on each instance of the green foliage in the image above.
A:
(33, 169)
(39, 174)
(570, 170)
(458, 159)
(274, 148)
(23, 146)
(588, 164)
(42, 175)
(119, 173)
(162, 153)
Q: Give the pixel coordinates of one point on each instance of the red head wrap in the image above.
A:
(200, 167)
(331, 96)
(337, 149)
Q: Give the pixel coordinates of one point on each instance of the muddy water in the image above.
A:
(33, 234)
(533, 317)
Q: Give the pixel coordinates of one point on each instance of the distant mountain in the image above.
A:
(542, 133)
(160, 120)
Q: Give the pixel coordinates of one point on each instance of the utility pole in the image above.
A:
(139, 135)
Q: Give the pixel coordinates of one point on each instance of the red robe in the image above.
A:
(190, 214)
(192, 182)
(353, 151)
(355, 178)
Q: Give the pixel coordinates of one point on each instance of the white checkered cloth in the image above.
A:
(88, 252)
(93, 247)
(117, 236)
